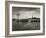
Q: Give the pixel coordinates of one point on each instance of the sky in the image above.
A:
(24, 13)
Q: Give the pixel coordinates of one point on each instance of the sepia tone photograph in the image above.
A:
(25, 18)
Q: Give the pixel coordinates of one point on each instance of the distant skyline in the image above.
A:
(23, 13)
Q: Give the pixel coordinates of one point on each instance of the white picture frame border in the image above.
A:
(24, 32)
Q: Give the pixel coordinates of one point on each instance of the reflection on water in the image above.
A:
(26, 24)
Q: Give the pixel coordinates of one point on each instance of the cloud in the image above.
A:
(26, 12)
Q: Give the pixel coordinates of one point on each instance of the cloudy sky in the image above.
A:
(24, 13)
